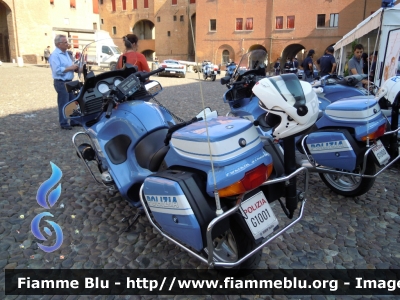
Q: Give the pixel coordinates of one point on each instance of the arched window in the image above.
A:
(225, 57)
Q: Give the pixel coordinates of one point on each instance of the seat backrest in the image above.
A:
(151, 150)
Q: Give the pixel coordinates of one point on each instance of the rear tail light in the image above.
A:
(252, 179)
(378, 133)
(163, 65)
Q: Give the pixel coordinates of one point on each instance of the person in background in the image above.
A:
(133, 57)
(294, 66)
(62, 70)
(287, 65)
(156, 62)
(356, 63)
(327, 62)
(308, 66)
(47, 54)
(277, 66)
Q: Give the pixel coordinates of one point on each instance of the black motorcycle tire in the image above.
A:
(360, 186)
(213, 77)
(243, 244)
(204, 76)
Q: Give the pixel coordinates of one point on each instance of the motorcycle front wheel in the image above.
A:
(350, 185)
(232, 245)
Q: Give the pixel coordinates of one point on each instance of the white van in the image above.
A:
(102, 52)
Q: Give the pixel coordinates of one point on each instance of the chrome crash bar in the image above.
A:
(210, 247)
(80, 155)
(322, 169)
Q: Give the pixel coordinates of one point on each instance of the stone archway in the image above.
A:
(145, 31)
(258, 46)
(148, 53)
(5, 12)
(224, 53)
(293, 50)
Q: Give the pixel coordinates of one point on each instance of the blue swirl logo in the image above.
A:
(45, 193)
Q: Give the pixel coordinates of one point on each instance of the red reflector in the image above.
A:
(255, 177)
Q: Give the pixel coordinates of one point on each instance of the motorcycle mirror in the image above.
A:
(225, 80)
(72, 110)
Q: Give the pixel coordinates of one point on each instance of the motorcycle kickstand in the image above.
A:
(139, 213)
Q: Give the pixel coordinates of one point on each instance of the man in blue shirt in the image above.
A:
(308, 66)
(62, 69)
(355, 63)
(327, 63)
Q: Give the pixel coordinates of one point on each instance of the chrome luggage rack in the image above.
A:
(321, 169)
(210, 247)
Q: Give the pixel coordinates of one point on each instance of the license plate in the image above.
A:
(380, 153)
(172, 72)
(258, 215)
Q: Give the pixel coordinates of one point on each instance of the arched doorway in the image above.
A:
(145, 31)
(293, 50)
(5, 12)
(224, 53)
(148, 54)
(256, 47)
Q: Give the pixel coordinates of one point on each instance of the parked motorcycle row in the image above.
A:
(214, 185)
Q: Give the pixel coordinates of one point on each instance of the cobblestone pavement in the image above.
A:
(336, 232)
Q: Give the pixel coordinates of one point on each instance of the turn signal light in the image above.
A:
(373, 136)
(252, 179)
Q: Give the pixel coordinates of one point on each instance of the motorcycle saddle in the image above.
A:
(151, 150)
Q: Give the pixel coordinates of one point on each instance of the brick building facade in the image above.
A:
(223, 29)
(162, 26)
(285, 28)
(29, 26)
(228, 28)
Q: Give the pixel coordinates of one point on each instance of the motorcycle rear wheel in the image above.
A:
(204, 76)
(348, 185)
(233, 245)
(213, 77)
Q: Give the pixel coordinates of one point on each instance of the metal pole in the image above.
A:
(290, 167)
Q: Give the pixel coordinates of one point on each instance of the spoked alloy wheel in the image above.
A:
(350, 185)
(233, 245)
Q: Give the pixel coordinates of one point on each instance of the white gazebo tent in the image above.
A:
(379, 32)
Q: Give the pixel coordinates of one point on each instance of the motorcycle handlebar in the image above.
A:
(144, 75)
(110, 106)
(238, 82)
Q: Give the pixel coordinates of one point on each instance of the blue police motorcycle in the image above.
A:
(344, 146)
(230, 69)
(331, 88)
(206, 184)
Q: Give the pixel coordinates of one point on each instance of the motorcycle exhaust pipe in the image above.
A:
(86, 151)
